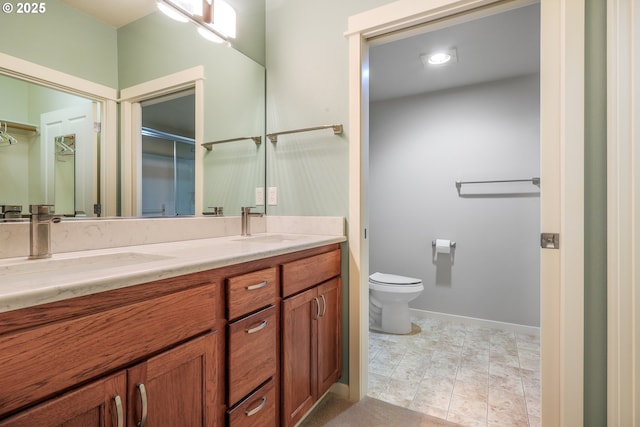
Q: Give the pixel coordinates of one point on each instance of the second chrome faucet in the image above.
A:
(42, 217)
(245, 222)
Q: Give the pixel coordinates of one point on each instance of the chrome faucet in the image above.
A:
(40, 230)
(245, 227)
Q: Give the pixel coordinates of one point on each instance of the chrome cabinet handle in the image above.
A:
(315, 317)
(324, 306)
(258, 286)
(258, 328)
(143, 399)
(119, 413)
(257, 408)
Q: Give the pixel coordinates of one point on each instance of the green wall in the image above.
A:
(63, 39)
(595, 221)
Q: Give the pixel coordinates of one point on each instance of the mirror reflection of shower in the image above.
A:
(168, 155)
(65, 174)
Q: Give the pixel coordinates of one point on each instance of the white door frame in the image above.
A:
(623, 213)
(562, 191)
(131, 139)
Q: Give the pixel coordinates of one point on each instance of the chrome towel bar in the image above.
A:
(256, 139)
(535, 181)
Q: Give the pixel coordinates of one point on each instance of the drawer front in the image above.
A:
(252, 353)
(302, 274)
(250, 292)
(257, 410)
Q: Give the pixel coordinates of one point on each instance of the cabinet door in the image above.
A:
(299, 355)
(329, 334)
(98, 404)
(177, 387)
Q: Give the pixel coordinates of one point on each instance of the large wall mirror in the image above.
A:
(230, 104)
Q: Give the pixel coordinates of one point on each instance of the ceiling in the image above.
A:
(114, 12)
(491, 48)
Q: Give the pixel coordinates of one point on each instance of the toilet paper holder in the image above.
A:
(452, 244)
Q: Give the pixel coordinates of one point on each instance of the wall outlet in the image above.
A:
(259, 196)
(272, 196)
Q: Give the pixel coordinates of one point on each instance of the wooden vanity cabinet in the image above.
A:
(106, 359)
(247, 345)
(311, 339)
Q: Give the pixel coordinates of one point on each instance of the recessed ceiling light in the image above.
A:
(440, 57)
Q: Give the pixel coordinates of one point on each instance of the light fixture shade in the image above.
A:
(224, 18)
(202, 13)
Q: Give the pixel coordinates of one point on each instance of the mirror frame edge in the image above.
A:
(107, 96)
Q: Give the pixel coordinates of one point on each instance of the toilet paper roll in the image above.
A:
(443, 246)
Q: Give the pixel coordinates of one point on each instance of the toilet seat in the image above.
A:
(393, 279)
(383, 282)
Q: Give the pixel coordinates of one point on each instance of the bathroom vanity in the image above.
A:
(246, 335)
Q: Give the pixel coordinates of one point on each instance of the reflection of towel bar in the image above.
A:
(256, 139)
(337, 130)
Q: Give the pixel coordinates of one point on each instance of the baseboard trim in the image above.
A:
(340, 389)
(512, 327)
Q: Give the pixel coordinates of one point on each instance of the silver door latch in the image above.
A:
(550, 240)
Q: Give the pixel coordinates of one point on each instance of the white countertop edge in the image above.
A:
(178, 262)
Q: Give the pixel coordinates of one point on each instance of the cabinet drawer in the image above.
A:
(257, 410)
(302, 274)
(252, 353)
(250, 292)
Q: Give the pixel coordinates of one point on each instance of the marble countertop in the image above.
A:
(27, 283)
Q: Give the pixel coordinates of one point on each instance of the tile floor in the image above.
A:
(470, 375)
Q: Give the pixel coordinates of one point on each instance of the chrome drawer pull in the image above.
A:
(258, 286)
(315, 317)
(119, 413)
(324, 306)
(257, 408)
(143, 398)
(258, 328)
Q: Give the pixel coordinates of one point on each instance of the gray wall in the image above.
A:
(419, 146)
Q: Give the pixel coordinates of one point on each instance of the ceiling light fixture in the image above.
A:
(215, 19)
(440, 57)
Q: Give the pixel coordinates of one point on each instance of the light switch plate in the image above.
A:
(259, 196)
(272, 196)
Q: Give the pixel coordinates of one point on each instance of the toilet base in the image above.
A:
(395, 318)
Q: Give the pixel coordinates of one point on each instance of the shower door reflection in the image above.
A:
(168, 175)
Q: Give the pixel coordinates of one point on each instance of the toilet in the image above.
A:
(389, 297)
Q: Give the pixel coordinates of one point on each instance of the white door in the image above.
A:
(78, 121)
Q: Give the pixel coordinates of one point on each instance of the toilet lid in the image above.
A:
(393, 279)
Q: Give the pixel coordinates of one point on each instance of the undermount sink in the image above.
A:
(81, 263)
(268, 238)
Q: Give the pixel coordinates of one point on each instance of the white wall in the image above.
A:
(419, 147)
